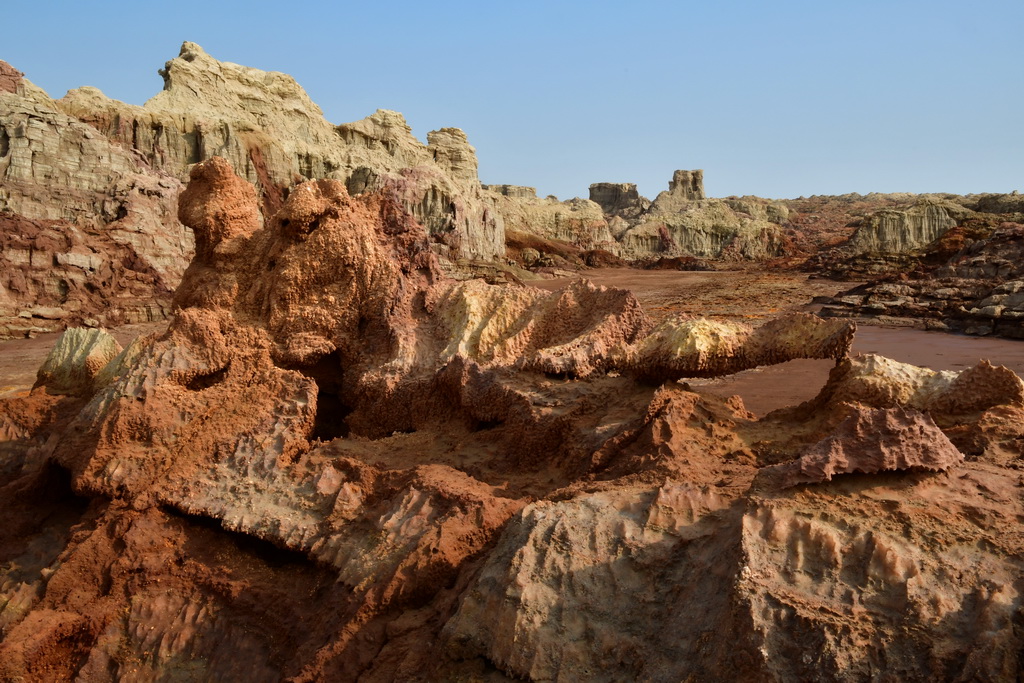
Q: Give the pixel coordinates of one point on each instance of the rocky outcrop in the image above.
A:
(881, 382)
(75, 363)
(619, 199)
(710, 348)
(977, 291)
(682, 222)
(273, 135)
(103, 177)
(10, 78)
(577, 221)
(513, 191)
(687, 185)
(869, 441)
(86, 232)
(892, 231)
(339, 464)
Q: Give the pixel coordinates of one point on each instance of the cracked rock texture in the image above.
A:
(90, 185)
(84, 229)
(873, 441)
(273, 135)
(978, 289)
(339, 464)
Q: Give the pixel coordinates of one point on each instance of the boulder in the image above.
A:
(870, 441)
(76, 360)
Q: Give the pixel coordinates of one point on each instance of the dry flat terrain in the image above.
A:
(741, 294)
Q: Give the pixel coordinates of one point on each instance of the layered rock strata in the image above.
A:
(84, 234)
(90, 185)
(273, 135)
(979, 290)
(339, 464)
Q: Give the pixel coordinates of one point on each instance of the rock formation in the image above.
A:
(76, 361)
(978, 290)
(337, 463)
(83, 234)
(872, 441)
(90, 185)
(892, 231)
(266, 126)
(578, 222)
(619, 199)
(682, 222)
(687, 185)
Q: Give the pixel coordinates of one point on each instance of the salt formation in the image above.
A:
(337, 463)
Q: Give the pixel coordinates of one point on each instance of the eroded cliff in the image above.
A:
(90, 184)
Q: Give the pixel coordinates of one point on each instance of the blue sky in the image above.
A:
(778, 99)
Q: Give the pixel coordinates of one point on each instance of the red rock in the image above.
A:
(10, 77)
(870, 441)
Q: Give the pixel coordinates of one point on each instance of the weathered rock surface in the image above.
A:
(75, 363)
(687, 185)
(84, 229)
(10, 78)
(101, 179)
(869, 441)
(682, 222)
(619, 199)
(881, 382)
(979, 290)
(579, 222)
(339, 464)
(892, 231)
(273, 135)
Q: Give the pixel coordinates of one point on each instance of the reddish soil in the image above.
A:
(747, 295)
(20, 358)
(338, 464)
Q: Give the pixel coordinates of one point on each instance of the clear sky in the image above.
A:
(778, 99)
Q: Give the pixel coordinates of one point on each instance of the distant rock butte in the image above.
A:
(619, 199)
(687, 185)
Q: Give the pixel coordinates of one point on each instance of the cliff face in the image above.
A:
(103, 178)
(266, 126)
(895, 231)
(86, 228)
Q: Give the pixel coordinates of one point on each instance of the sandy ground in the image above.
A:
(736, 295)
